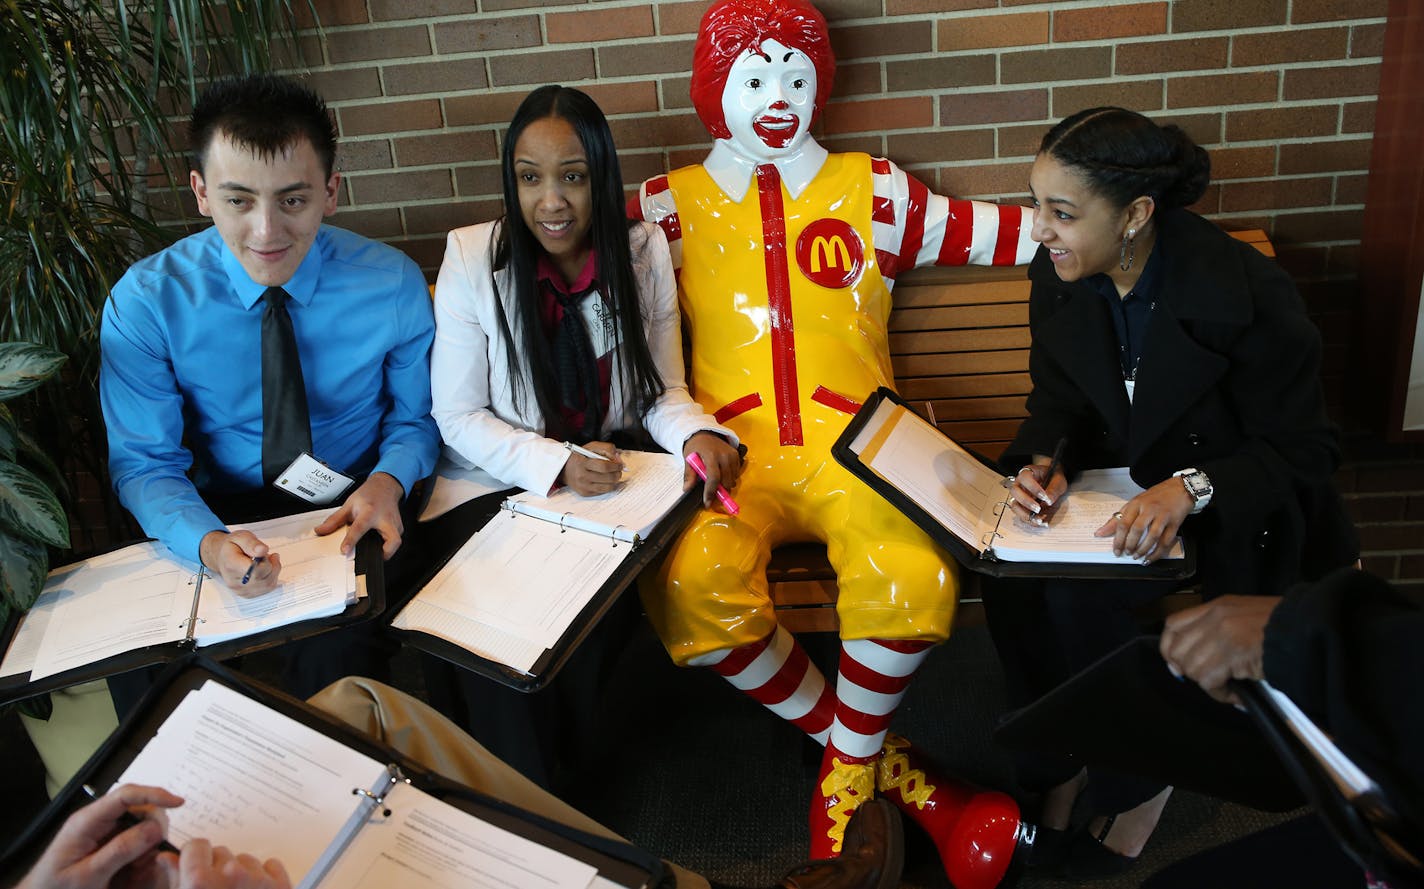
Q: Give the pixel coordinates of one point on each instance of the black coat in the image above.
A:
(1228, 383)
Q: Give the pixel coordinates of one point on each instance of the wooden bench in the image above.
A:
(959, 344)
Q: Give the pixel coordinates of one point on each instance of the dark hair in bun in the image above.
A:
(1123, 155)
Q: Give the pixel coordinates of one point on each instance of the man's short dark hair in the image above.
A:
(263, 113)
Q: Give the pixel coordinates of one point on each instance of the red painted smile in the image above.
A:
(775, 130)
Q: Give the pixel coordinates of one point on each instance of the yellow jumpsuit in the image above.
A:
(785, 361)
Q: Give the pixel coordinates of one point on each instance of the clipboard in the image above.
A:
(619, 863)
(370, 570)
(452, 529)
(977, 554)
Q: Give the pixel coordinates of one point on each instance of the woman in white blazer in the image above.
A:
(557, 324)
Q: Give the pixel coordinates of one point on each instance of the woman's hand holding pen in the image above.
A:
(1148, 523)
(722, 462)
(592, 469)
(1038, 486)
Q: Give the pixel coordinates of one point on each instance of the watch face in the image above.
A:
(1198, 485)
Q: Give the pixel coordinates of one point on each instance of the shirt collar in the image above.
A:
(545, 271)
(301, 287)
(733, 171)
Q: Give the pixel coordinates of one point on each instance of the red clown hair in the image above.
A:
(731, 27)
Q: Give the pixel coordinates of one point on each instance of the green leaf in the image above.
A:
(34, 458)
(30, 509)
(23, 566)
(9, 434)
(23, 366)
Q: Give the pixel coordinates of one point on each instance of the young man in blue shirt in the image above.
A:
(182, 376)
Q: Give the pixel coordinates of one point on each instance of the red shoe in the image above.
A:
(978, 833)
(841, 787)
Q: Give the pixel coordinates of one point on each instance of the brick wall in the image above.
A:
(1282, 92)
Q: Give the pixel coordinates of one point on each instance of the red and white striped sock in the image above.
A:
(777, 673)
(874, 674)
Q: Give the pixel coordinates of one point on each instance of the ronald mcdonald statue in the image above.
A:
(786, 256)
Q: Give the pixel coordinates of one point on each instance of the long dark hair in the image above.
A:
(517, 250)
(1123, 155)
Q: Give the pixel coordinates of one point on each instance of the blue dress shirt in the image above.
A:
(181, 374)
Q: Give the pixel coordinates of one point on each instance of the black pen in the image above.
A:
(129, 819)
(1055, 464)
(247, 575)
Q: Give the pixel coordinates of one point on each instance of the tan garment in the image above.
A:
(416, 730)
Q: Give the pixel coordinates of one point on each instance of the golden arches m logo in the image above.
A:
(830, 252)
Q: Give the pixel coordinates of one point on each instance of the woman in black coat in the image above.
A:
(1162, 344)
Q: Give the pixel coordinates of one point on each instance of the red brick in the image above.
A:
(686, 157)
(878, 114)
(1325, 156)
(1303, 11)
(1303, 262)
(330, 13)
(1344, 260)
(845, 10)
(1358, 117)
(389, 117)
(1138, 95)
(1414, 508)
(984, 180)
(1243, 163)
(1204, 128)
(437, 219)
(680, 18)
(869, 41)
(346, 83)
(1215, 90)
(353, 155)
(989, 31)
(1281, 123)
(915, 7)
(623, 98)
(1319, 225)
(400, 187)
(945, 72)
(1209, 203)
(475, 180)
(1350, 189)
(486, 33)
(1392, 537)
(443, 77)
(1366, 41)
(1159, 56)
(1295, 45)
(427, 252)
(1335, 81)
(466, 111)
(573, 65)
(659, 130)
(1021, 141)
(457, 147)
(675, 92)
(646, 58)
(908, 149)
(1101, 23)
(1222, 15)
(387, 10)
(858, 79)
(871, 145)
(1275, 194)
(382, 223)
(999, 107)
(1080, 63)
(599, 24)
(640, 165)
(365, 44)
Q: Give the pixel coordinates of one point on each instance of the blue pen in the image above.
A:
(247, 575)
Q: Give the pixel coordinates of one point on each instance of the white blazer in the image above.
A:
(472, 396)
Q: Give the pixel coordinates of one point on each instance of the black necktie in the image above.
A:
(286, 426)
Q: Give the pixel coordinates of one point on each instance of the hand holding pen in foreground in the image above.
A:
(1038, 487)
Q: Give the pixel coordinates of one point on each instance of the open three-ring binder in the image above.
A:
(270, 776)
(530, 576)
(961, 501)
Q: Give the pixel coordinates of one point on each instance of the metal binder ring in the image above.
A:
(562, 518)
(377, 799)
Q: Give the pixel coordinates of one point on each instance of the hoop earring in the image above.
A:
(1128, 250)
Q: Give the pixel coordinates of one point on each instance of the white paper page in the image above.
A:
(316, 581)
(289, 529)
(490, 643)
(454, 484)
(25, 644)
(1350, 778)
(131, 598)
(1091, 500)
(427, 844)
(525, 576)
(651, 487)
(938, 475)
(252, 779)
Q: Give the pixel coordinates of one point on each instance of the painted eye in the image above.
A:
(754, 83)
(799, 83)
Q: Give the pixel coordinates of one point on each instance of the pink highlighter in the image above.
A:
(695, 461)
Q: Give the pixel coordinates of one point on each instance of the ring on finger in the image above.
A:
(1119, 516)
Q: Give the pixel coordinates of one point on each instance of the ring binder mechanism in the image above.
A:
(377, 795)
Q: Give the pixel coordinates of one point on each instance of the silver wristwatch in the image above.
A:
(1198, 485)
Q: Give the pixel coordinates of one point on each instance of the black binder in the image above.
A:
(980, 558)
(620, 863)
(448, 532)
(369, 565)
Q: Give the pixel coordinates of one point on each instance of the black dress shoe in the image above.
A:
(1050, 848)
(1089, 858)
(872, 854)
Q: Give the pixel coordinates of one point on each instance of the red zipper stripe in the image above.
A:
(778, 287)
(835, 400)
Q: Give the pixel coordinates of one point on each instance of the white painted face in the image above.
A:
(768, 101)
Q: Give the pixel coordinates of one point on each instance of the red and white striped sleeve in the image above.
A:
(656, 203)
(912, 226)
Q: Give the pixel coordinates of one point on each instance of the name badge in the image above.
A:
(312, 481)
